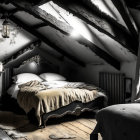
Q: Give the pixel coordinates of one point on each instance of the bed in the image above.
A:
(49, 94)
(118, 122)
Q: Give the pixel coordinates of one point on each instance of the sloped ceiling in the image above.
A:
(85, 31)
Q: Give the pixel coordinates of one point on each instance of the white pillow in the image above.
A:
(26, 77)
(52, 77)
(13, 91)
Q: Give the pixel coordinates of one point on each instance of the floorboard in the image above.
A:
(77, 129)
(4, 136)
(87, 123)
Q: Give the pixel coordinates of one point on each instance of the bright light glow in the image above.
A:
(75, 34)
(62, 15)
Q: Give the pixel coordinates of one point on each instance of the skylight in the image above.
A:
(106, 6)
(103, 7)
(64, 16)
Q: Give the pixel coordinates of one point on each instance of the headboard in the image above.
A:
(36, 65)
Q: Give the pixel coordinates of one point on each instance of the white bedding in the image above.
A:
(14, 89)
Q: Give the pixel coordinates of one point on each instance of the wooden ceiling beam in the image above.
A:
(122, 8)
(133, 47)
(99, 52)
(45, 40)
(45, 17)
(66, 30)
(39, 25)
(40, 2)
(133, 3)
(13, 11)
(28, 47)
(5, 13)
(79, 10)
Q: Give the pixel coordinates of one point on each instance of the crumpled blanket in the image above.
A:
(36, 95)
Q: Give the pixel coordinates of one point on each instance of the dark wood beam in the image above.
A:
(133, 42)
(4, 1)
(28, 47)
(94, 48)
(45, 17)
(40, 2)
(81, 11)
(13, 11)
(133, 3)
(14, 63)
(66, 30)
(122, 8)
(39, 25)
(45, 40)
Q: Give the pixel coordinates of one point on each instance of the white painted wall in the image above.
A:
(90, 73)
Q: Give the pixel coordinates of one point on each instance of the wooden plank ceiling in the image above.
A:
(112, 23)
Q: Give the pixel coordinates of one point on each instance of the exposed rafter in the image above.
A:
(103, 15)
(16, 63)
(38, 2)
(66, 30)
(28, 47)
(120, 5)
(45, 40)
(79, 9)
(39, 25)
(13, 11)
(45, 17)
(94, 48)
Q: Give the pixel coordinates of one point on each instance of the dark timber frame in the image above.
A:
(87, 16)
(45, 40)
(120, 5)
(66, 30)
(28, 47)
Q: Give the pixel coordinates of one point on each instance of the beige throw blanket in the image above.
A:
(36, 95)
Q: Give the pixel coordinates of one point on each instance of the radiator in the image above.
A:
(113, 84)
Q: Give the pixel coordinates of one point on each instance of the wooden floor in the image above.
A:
(73, 129)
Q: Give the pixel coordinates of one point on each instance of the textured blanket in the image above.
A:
(119, 122)
(43, 99)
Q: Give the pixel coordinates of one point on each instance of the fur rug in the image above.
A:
(12, 123)
(18, 127)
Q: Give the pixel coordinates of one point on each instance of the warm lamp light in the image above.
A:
(6, 29)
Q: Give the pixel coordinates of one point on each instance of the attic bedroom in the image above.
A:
(69, 69)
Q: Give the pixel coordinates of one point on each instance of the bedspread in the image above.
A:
(119, 122)
(36, 95)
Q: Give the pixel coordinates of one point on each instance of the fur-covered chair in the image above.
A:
(118, 122)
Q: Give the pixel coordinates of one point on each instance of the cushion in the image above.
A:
(26, 77)
(52, 77)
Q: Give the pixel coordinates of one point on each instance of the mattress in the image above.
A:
(45, 98)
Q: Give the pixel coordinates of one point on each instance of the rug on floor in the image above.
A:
(18, 126)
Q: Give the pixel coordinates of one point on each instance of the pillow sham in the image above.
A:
(52, 77)
(26, 77)
(13, 90)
